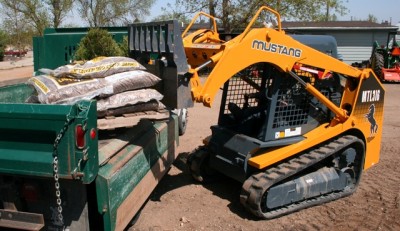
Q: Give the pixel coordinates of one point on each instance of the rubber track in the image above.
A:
(254, 187)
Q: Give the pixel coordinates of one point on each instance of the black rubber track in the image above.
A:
(254, 188)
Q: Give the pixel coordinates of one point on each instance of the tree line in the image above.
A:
(236, 14)
(23, 19)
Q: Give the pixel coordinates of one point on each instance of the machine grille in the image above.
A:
(292, 105)
(240, 87)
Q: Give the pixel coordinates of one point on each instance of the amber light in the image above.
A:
(80, 136)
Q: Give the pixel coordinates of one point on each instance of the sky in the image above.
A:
(383, 10)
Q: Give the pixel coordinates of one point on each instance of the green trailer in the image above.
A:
(106, 174)
(58, 170)
(57, 46)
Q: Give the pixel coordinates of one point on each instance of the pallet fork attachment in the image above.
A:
(159, 47)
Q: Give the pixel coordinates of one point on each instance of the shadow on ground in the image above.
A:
(222, 186)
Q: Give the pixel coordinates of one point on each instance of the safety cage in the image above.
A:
(261, 91)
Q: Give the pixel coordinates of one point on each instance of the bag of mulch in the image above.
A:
(64, 90)
(131, 80)
(99, 67)
(128, 98)
(152, 105)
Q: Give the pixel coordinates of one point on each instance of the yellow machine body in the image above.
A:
(272, 45)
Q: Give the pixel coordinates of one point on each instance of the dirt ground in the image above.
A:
(178, 203)
(10, 76)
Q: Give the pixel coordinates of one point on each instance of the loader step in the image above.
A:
(256, 188)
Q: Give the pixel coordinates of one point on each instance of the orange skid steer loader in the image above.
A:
(296, 126)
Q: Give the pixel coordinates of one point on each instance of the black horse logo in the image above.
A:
(371, 119)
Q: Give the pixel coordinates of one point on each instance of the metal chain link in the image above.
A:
(62, 132)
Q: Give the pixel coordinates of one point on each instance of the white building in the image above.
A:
(354, 38)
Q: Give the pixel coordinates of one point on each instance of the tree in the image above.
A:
(169, 12)
(38, 14)
(97, 42)
(59, 9)
(33, 12)
(372, 18)
(3, 43)
(17, 28)
(236, 14)
(98, 13)
(124, 46)
(336, 6)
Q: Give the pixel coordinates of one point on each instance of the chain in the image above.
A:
(60, 219)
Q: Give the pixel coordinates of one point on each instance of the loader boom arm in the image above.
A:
(267, 45)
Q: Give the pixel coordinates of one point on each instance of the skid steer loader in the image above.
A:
(296, 126)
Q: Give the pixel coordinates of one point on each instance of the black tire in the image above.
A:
(198, 163)
(377, 63)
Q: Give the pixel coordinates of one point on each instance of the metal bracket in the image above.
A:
(21, 220)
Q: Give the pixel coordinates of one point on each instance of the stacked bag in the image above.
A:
(120, 85)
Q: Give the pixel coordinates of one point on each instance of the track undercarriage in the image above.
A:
(256, 107)
(320, 175)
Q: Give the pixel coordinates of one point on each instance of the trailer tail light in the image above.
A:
(80, 136)
(30, 192)
(93, 133)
